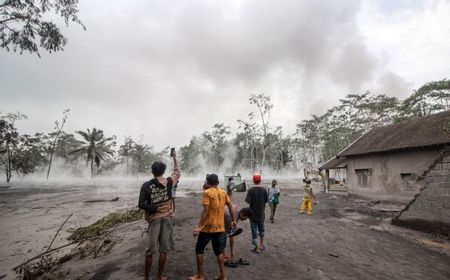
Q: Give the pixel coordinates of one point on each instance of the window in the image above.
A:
(363, 177)
(408, 181)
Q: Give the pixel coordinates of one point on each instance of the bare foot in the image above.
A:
(195, 277)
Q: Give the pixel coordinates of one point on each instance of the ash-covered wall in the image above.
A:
(430, 209)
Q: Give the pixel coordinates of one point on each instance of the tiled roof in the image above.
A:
(413, 133)
(334, 163)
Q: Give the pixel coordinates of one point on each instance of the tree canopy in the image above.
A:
(95, 146)
(25, 25)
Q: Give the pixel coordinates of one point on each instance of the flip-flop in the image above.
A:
(262, 248)
(235, 232)
(243, 262)
(254, 251)
(230, 264)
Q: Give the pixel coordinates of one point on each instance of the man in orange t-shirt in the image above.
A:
(212, 226)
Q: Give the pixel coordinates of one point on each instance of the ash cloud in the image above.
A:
(171, 69)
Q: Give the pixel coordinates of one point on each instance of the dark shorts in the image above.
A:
(218, 240)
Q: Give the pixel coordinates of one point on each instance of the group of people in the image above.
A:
(218, 219)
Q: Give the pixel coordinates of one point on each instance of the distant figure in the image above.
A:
(230, 186)
(308, 197)
(257, 199)
(241, 215)
(274, 199)
(156, 200)
(212, 226)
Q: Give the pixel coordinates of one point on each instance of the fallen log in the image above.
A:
(103, 200)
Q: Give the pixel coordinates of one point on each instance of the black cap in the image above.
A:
(212, 179)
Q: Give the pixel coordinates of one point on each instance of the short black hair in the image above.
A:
(158, 168)
(230, 178)
(212, 179)
(247, 211)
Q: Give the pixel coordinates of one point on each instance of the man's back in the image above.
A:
(257, 199)
(216, 199)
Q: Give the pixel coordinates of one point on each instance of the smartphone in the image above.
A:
(172, 151)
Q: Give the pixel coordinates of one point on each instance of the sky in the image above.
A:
(167, 70)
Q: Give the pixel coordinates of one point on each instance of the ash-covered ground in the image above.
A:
(345, 238)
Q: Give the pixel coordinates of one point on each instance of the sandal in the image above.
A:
(255, 250)
(230, 264)
(243, 262)
(262, 248)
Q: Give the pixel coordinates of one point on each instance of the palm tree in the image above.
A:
(95, 146)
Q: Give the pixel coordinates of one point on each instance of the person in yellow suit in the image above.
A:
(308, 197)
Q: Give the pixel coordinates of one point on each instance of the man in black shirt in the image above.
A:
(257, 198)
(156, 200)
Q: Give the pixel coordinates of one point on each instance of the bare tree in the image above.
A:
(58, 129)
(264, 105)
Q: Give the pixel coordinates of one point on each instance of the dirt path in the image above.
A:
(336, 242)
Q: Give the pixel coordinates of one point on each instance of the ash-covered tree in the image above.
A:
(278, 153)
(247, 142)
(189, 154)
(432, 97)
(126, 150)
(30, 155)
(308, 139)
(142, 156)
(9, 141)
(216, 141)
(27, 25)
(65, 144)
(95, 146)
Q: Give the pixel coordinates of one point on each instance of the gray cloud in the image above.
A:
(171, 69)
(392, 84)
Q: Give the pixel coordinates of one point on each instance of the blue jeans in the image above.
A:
(257, 227)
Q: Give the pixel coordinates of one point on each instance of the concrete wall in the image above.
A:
(430, 210)
(385, 181)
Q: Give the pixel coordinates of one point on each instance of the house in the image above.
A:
(391, 162)
(335, 171)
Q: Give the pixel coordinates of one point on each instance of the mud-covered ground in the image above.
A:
(345, 238)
